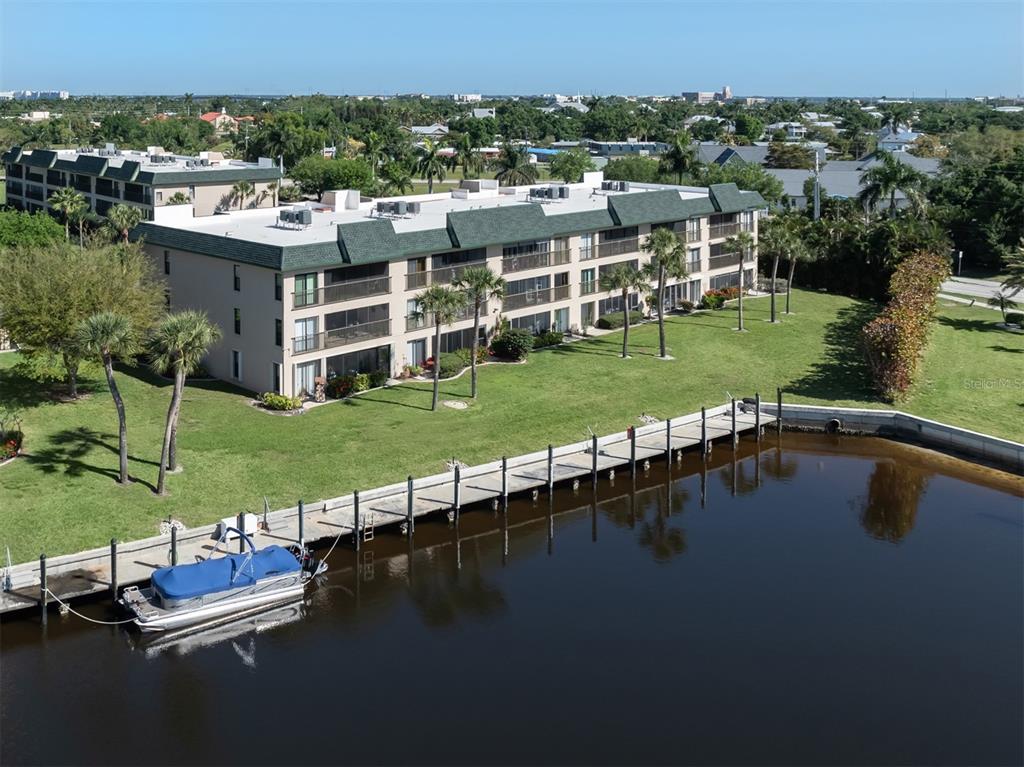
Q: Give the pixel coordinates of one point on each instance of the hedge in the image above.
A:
(895, 340)
(272, 401)
(512, 344)
(614, 321)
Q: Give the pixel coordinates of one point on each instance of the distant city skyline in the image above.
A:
(896, 49)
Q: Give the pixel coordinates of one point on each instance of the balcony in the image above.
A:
(693, 266)
(535, 260)
(724, 260)
(534, 298)
(618, 247)
(724, 230)
(34, 192)
(586, 254)
(444, 276)
(420, 321)
(588, 288)
(341, 336)
(342, 291)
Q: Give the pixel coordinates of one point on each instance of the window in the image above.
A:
(276, 376)
(278, 286)
(694, 260)
(305, 335)
(237, 277)
(278, 332)
(167, 262)
(236, 364)
(623, 233)
(238, 321)
(159, 196)
(535, 323)
(305, 289)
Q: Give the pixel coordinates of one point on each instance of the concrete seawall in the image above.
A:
(1003, 453)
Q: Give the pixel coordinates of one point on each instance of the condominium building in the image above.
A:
(147, 180)
(331, 289)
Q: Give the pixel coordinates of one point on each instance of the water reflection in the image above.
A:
(443, 595)
(894, 494)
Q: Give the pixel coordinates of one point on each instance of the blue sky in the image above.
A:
(894, 48)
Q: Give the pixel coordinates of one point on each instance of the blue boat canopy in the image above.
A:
(230, 572)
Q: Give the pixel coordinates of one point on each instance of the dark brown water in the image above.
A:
(836, 601)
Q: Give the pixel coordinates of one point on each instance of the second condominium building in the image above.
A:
(330, 289)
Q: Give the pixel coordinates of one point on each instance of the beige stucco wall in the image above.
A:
(208, 197)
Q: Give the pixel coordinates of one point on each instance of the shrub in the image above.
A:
(344, 386)
(413, 370)
(378, 378)
(686, 306)
(548, 338)
(467, 355)
(1014, 318)
(273, 401)
(894, 340)
(452, 363)
(613, 320)
(512, 344)
(712, 300)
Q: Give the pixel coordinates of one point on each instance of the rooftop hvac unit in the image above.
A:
(607, 186)
(382, 207)
(623, 186)
(563, 192)
(204, 161)
(414, 208)
(284, 215)
(400, 207)
(305, 217)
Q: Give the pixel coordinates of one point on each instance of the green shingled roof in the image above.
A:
(39, 158)
(127, 171)
(90, 164)
(657, 207)
(580, 221)
(11, 155)
(365, 242)
(493, 226)
(207, 176)
(67, 165)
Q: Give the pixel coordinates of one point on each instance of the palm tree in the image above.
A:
(188, 104)
(241, 190)
(514, 167)
(70, 204)
(480, 285)
(897, 114)
(444, 303)
(124, 218)
(179, 344)
(778, 240)
(740, 244)
(373, 151)
(397, 179)
(178, 198)
(681, 156)
(466, 156)
(887, 177)
(668, 259)
(109, 334)
(1014, 270)
(430, 164)
(269, 191)
(799, 251)
(625, 279)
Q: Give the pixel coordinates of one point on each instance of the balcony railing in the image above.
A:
(535, 297)
(443, 276)
(586, 254)
(342, 291)
(618, 247)
(341, 336)
(535, 260)
(724, 230)
(693, 266)
(426, 320)
(588, 288)
(728, 259)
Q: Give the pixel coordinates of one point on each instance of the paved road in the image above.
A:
(981, 289)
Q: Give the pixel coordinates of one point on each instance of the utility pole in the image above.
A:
(817, 189)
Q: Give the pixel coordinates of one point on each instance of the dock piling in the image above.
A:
(113, 569)
(703, 432)
(632, 450)
(302, 524)
(409, 509)
(757, 416)
(733, 414)
(456, 499)
(357, 532)
(42, 587)
(593, 460)
(504, 482)
(551, 468)
(240, 526)
(174, 545)
(778, 410)
(668, 441)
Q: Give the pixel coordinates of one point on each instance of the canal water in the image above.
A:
(819, 600)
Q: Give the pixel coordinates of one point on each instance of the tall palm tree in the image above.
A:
(188, 104)
(897, 114)
(241, 190)
(887, 177)
(109, 334)
(179, 344)
(777, 240)
(480, 285)
(799, 251)
(681, 156)
(514, 167)
(373, 151)
(467, 156)
(668, 259)
(70, 204)
(124, 218)
(444, 302)
(397, 179)
(624, 279)
(430, 164)
(1014, 270)
(740, 244)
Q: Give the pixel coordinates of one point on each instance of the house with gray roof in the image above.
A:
(327, 289)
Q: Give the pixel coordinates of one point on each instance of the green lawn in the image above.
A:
(61, 496)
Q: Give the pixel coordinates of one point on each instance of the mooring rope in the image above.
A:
(68, 607)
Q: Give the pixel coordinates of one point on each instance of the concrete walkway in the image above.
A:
(89, 572)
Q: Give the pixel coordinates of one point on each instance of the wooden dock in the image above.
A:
(359, 514)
